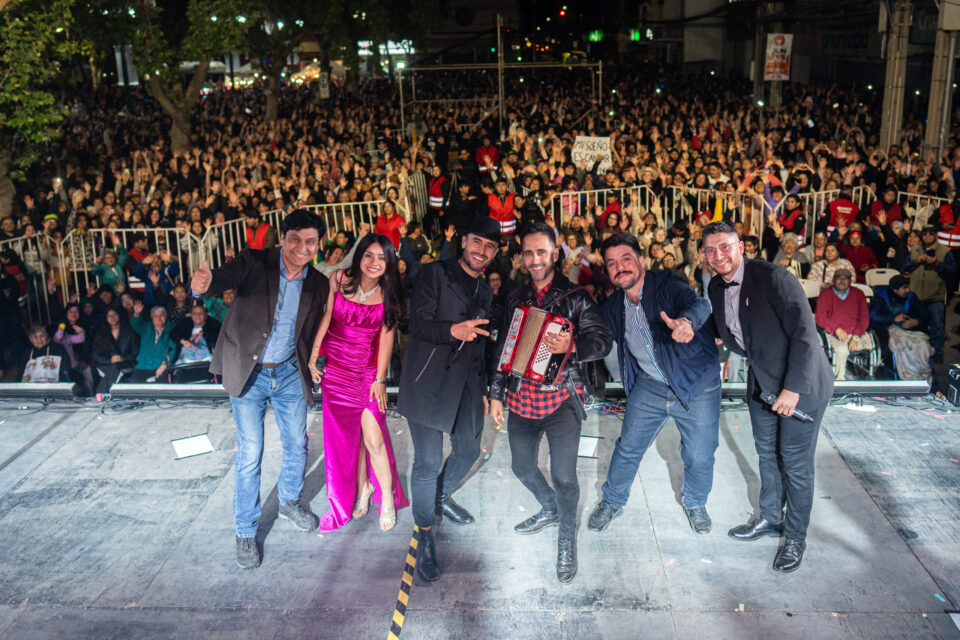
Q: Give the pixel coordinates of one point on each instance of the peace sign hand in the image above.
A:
(468, 330)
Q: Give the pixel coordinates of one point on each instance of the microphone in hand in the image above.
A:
(771, 398)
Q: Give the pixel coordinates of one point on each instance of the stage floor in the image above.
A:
(105, 535)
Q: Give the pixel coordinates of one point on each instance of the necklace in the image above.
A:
(363, 295)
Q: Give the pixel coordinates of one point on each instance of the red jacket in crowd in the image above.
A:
(843, 208)
(487, 152)
(859, 257)
(390, 227)
(895, 212)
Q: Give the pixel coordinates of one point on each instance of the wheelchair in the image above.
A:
(866, 364)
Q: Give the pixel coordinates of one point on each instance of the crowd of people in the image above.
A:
(672, 135)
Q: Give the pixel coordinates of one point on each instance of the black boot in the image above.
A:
(427, 565)
(566, 560)
(454, 512)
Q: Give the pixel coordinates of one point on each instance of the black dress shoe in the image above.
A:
(757, 529)
(602, 515)
(566, 560)
(789, 556)
(699, 520)
(538, 522)
(427, 565)
(454, 512)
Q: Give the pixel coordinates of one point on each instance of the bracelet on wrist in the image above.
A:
(380, 381)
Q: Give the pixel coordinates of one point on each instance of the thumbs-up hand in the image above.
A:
(682, 327)
(201, 279)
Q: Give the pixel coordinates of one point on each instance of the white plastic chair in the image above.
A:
(880, 277)
(810, 287)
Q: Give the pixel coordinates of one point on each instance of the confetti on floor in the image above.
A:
(940, 598)
(671, 561)
(885, 473)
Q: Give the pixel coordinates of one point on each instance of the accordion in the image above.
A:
(525, 354)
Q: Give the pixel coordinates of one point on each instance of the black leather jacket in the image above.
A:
(591, 337)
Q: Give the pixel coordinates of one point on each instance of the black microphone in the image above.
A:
(770, 398)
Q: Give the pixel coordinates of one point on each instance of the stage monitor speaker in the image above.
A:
(840, 388)
(953, 386)
(46, 390)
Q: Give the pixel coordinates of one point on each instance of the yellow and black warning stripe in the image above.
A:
(406, 583)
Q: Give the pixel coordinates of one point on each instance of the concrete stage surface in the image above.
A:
(105, 535)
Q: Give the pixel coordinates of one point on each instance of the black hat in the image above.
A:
(896, 282)
(485, 227)
(929, 228)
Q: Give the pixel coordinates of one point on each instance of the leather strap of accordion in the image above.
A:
(567, 294)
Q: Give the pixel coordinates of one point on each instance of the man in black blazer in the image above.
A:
(262, 353)
(442, 381)
(761, 312)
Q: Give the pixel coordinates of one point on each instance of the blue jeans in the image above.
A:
(281, 386)
(649, 406)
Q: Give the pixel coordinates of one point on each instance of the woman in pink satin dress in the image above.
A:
(356, 336)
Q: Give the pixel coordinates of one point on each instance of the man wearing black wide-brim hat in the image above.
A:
(441, 384)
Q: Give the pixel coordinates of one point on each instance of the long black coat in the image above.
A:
(255, 278)
(779, 334)
(434, 372)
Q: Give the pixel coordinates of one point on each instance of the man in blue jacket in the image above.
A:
(670, 368)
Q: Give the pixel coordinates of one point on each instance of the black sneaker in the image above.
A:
(602, 515)
(699, 520)
(301, 518)
(248, 554)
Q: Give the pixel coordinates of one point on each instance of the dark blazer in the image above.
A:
(434, 371)
(254, 275)
(689, 367)
(779, 333)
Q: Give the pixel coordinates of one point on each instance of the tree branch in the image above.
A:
(196, 83)
(156, 89)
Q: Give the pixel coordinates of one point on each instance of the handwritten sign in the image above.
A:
(587, 148)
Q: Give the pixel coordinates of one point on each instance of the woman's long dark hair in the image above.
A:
(389, 281)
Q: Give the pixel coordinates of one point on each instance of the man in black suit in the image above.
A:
(442, 380)
(262, 354)
(761, 312)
